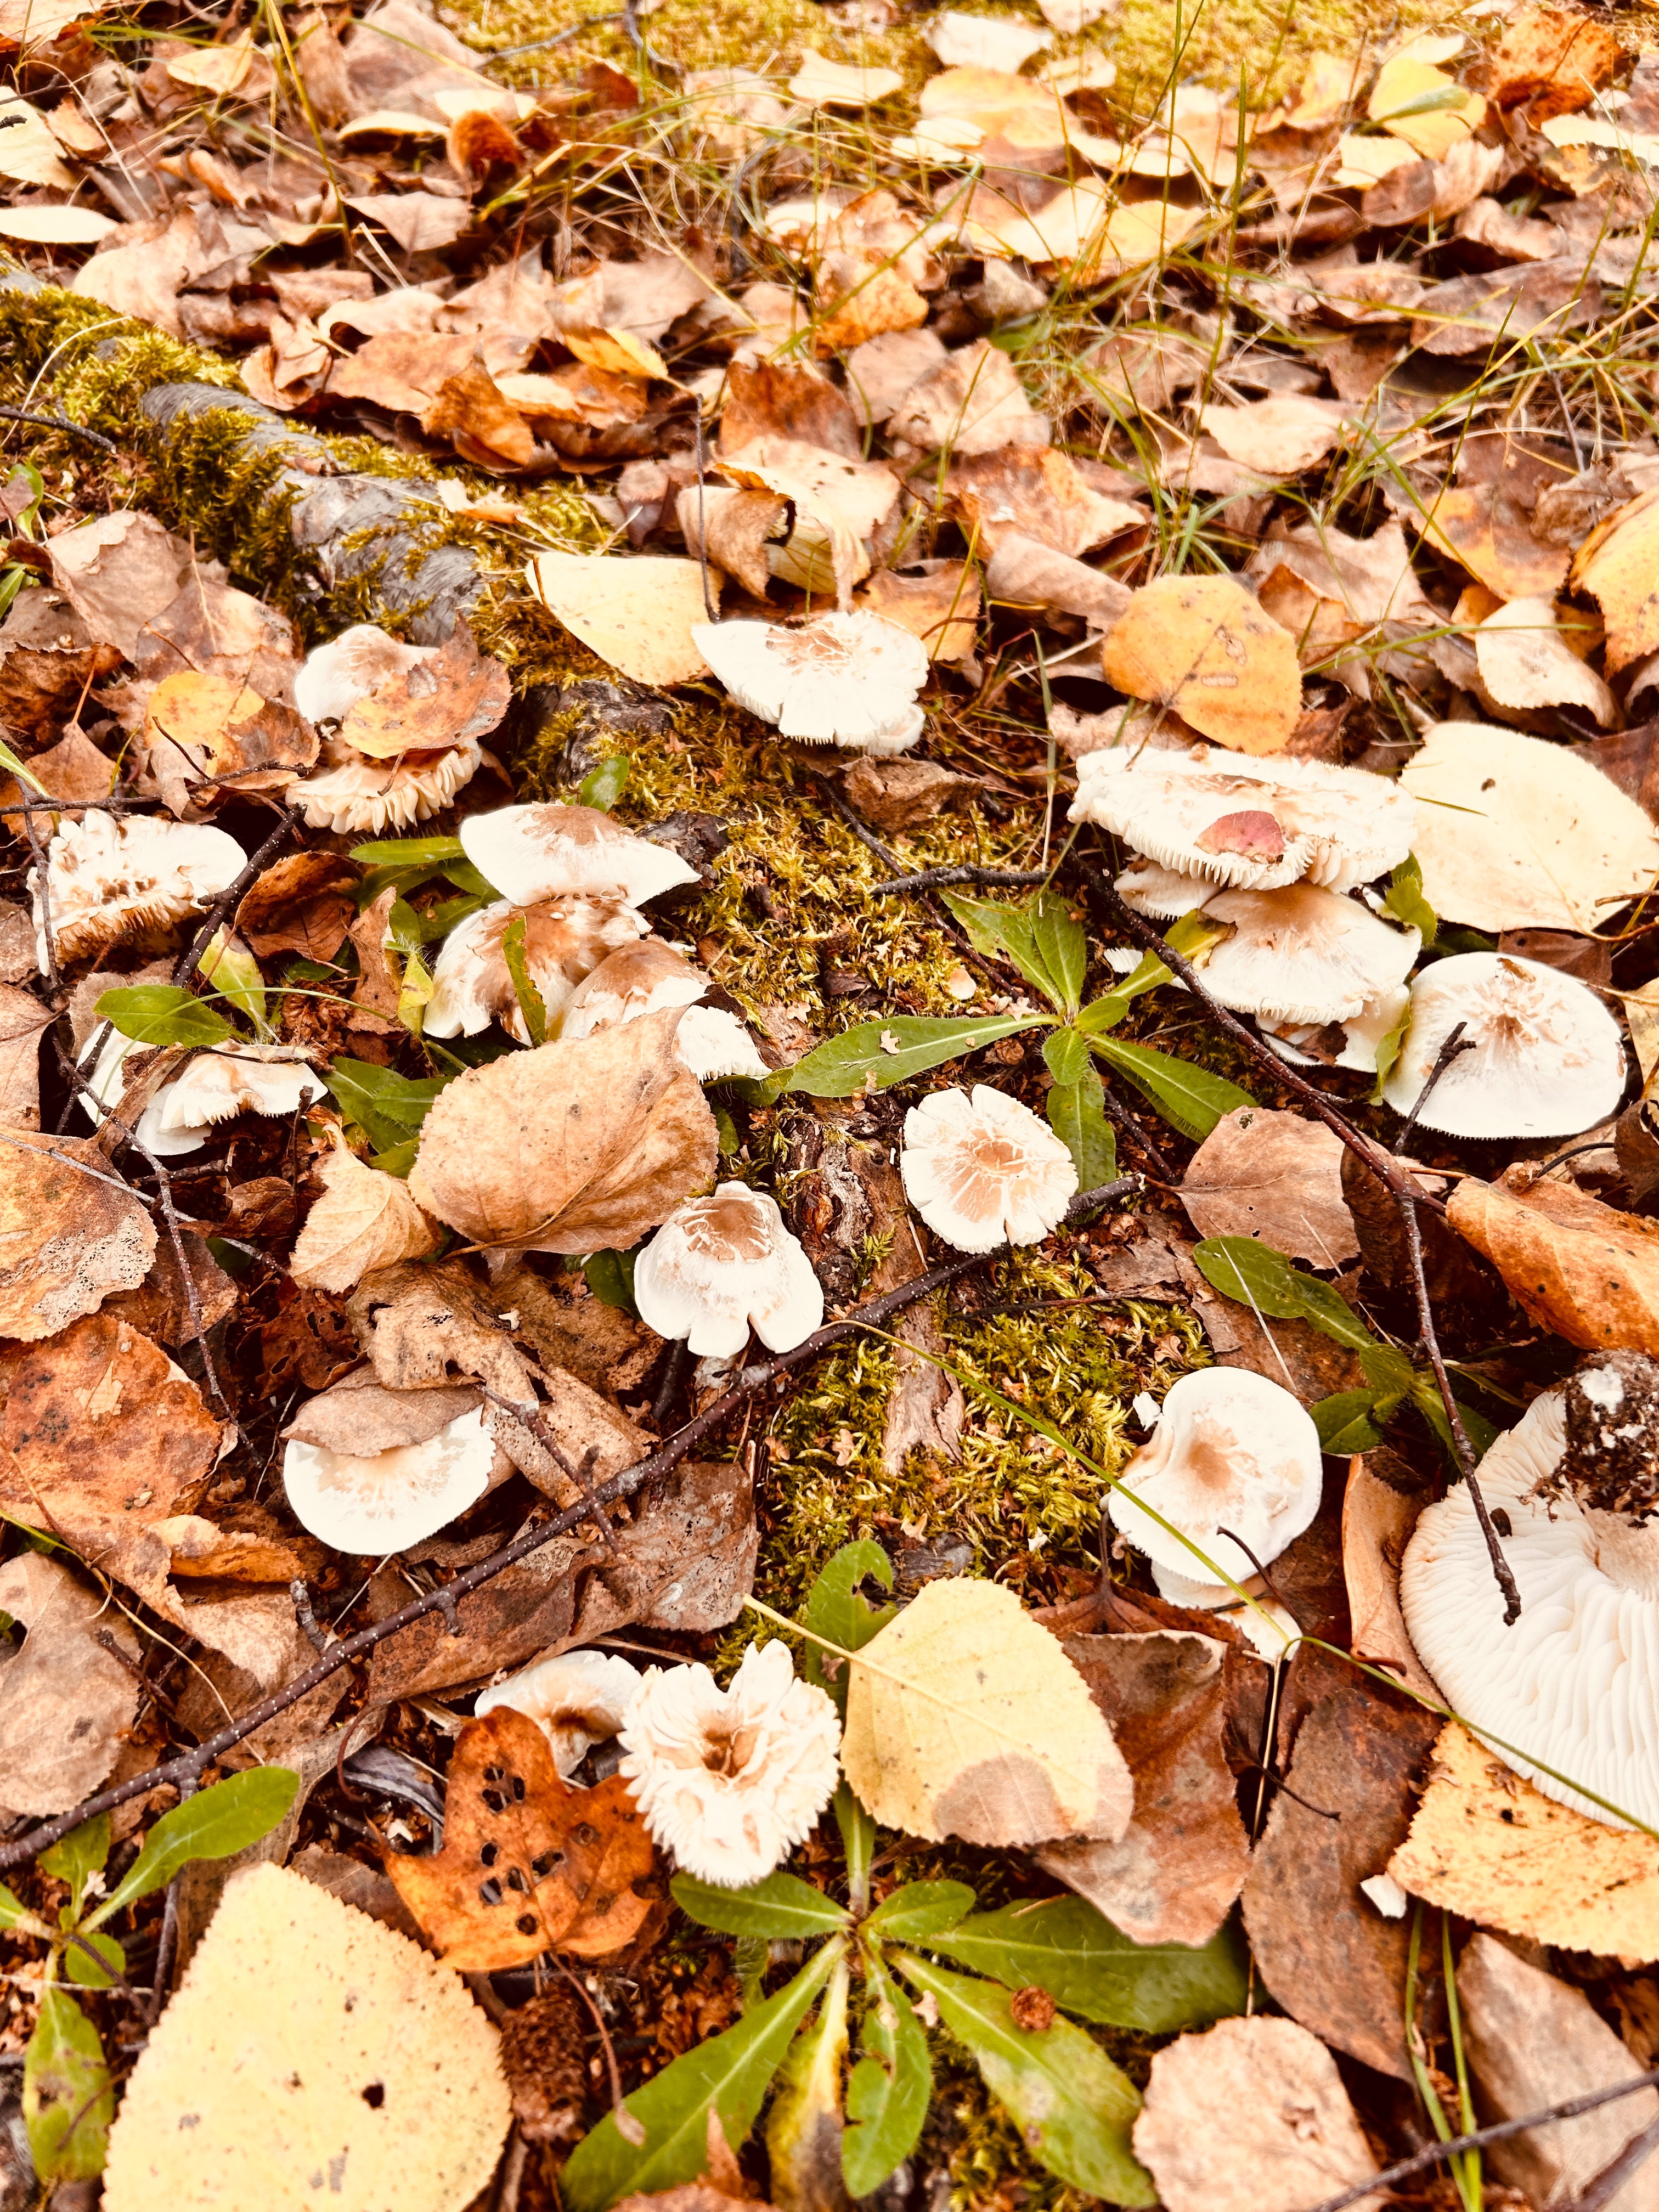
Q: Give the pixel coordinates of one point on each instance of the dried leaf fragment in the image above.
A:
(1278, 1177)
(1617, 564)
(1201, 647)
(364, 1220)
(67, 1237)
(636, 614)
(68, 1700)
(1573, 1264)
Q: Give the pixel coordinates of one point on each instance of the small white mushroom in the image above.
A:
(336, 676)
(577, 1699)
(217, 1085)
(110, 878)
(848, 680)
(982, 1170)
(1234, 1452)
(378, 1503)
(1247, 824)
(1304, 954)
(565, 940)
(638, 979)
(1545, 1057)
(723, 1264)
(715, 1046)
(1362, 1034)
(354, 795)
(540, 852)
(1166, 894)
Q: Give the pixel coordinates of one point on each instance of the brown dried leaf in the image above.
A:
(73, 768)
(784, 400)
(571, 1147)
(1278, 1177)
(1483, 526)
(939, 606)
(1032, 491)
(458, 693)
(364, 1220)
(471, 409)
(1377, 1521)
(901, 794)
(1203, 647)
(1572, 1265)
(734, 529)
(23, 1023)
(528, 1864)
(118, 573)
(302, 904)
(223, 728)
(67, 1239)
(1550, 57)
(68, 1700)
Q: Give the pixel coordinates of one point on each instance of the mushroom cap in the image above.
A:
(721, 1264)
(1547, 1058)
(847, 680)
(1363, 1033)
(1574, 1683)
(716, 1048)
(1166, 894)
(218, 1085)
(577, 1699)
(110, 877)
(981, 1169)
(1267, 1624)
(336, 676)
(375, 1505)
(548, 850)
(565, 940)
(1303, 954)
(638, 979)
(1231, 1451)
(1249, 824)
(353, 795)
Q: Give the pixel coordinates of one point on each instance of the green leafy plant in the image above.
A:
(1074, 2107)
(601, 787)
(68, 2098)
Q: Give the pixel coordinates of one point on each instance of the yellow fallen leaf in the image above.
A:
(1445, 112)
(28, 151)
(364, 1220)
(823, 83)
(1572, 1265)
(965, 1718)
(635, 613)
(1617, 564)
(217, 70)
(618, 353)
(1203, 647)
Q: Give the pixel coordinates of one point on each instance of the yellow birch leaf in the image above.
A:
(1203, 647)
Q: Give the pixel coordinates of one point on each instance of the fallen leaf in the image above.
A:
(839, 506)
(1572, 1265)
(1551, 58)
(397, 2093)
(364, 1220)
(985, 42)
(1201, 647)
(1526, 662)
(28, 151)
(972, 402)
(1417, 102)
(69, 1700)
(1615, 565)
(529, 1864)
(52, 223)
(881, 370)
(636, 614)
(1032, 492)
(458, 695)
(940, 605)
(1279, 436)
(224, 729)
(1025, 573)
(823, 83)
(69, 1235)
(303, 904)
(24, 1023)
(965, 1718)
(487, 429)
(119, 573)
(1278, 1177)
(420, 222)
(1017, 115)
(570, 1147)
(160, 1309)
(735, 529)
(1515, 833)
(1377, 1521)
(1489, 1847)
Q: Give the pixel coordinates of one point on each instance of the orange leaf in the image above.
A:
(1572, 1265)
(455, 696)
(1201, 647)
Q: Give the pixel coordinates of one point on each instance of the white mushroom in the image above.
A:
(1362, 1034)
(378, 1502)
(1166, 894)
(1573, 1684)
(544, 851)
(715, 1046)
(565, 940)
(357, 795)
(723, 1264)
(1545, 1058)
(640, 978)
(1249, 824)
(1232, 1451)
(1304, 954)
(217, 1085)
(336, 676)
(577, 1699)
(982, 1170)
(108, 879)
(728, 1780)
(848, 680)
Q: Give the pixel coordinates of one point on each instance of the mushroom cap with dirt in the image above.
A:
(373, 1504)
(643, 979)
(1542, 1057)
(722, 1264)
(218, 1085)
(577, 1699)
(982, 1170)
(336, 676)
(1573, 1683)
(1303, 954)
(109, 878)
(549, 850)
(357, 795)
(1247, 824)
(565, 941)
(840, 680)
(1232, 1451)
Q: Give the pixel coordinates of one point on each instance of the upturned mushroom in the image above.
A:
(1234, 1456)
(369, 1470)
(1537, 1054)
(356, 794)
(218, 1085)
(336, 676)
(549, 850)
(1572, 1684)
(565, 940)
(577, 1699)
(840, 679)
(643, 979)
(1303, 954)
(982, 1170)
(722, 1265)
(108, 879)
(406, 742)
(1247, 824)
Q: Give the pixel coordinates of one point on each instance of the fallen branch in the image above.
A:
(963, 873)
(190, 1766)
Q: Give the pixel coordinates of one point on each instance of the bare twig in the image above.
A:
(1601, 2192)
(229, 899)
(1450, 1046)
(964, 873)
(62, 423)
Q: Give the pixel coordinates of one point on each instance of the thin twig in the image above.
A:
(963, 873)
(62, 423)
(229, 899)
(1450, 1046)
(530, 1418)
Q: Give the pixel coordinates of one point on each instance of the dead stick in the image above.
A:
(229, 899)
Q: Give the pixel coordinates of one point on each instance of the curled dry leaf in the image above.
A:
(1573, 1264)
(529, 1864)
(458, 695)
(965, 1718)
(578, 1147)
(69, 1701)
(303, 904)
(1616, 566)
(637, 614)
(67, 1237)
(1201, 647)
(1278, 1177)
(364, 1220)
(1526, 663)
(1377, 1521)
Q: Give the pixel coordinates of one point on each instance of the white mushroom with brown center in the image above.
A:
(1247, 824)
(1542, 1057)
(544, 851)
(577, 1699)
(840, 680)
(722, 1265)
(218, 1085)
(1233, 1453)
(370, 1470)
(729, 1780)
(982, 1170)
(565, 940)
(336, 676)
(644, 978)
(1304, 954)
(357, 795)
(108, 879)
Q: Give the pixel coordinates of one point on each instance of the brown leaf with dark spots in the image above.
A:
(67, 1239)
(223, 728)
(1572, 1265)
(457, 694)
(528, 1864)
(303, 904)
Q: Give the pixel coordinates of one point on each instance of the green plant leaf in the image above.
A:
(1066, 1056)
(235, 973)
(1389, 1047)
(858, 1844)
(14, 1913)
(75, 1857)
(1077, 1114)
(1073, 2108)
(213, 1824)
(85, 1969)
(68, 2103)
(163, 1013)
(410, 853)
(874, 1055)
(531, 1004)
(1253, 1273)
(780, 1907)
(834, 1611)
(610, 1276)
(1088, 1966)
(731, 2072)
(888, 2090)
(388, 1107)
(1405, 900)
(1189, 1098)
(602, 786)
(1062, 948)
(918, 1910)
(1344, 1422)
(804, 2128)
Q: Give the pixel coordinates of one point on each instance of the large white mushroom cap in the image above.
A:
(217, 1085)
(715, 1046)
(638, 979)
(547, 850)
(1304, 954)
(376, 1503)
(982, 1170)
(1547, 1059)
(336, 676)
(1231, 1451)
(1574, 1683)
(1247, 824)
(355, 795)
(840, 679)
(565, 940)
(577, 1699)
(721, 1264)
(110, 877)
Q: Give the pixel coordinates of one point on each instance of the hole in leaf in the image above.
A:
(374, 2095)
(489, 1893)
